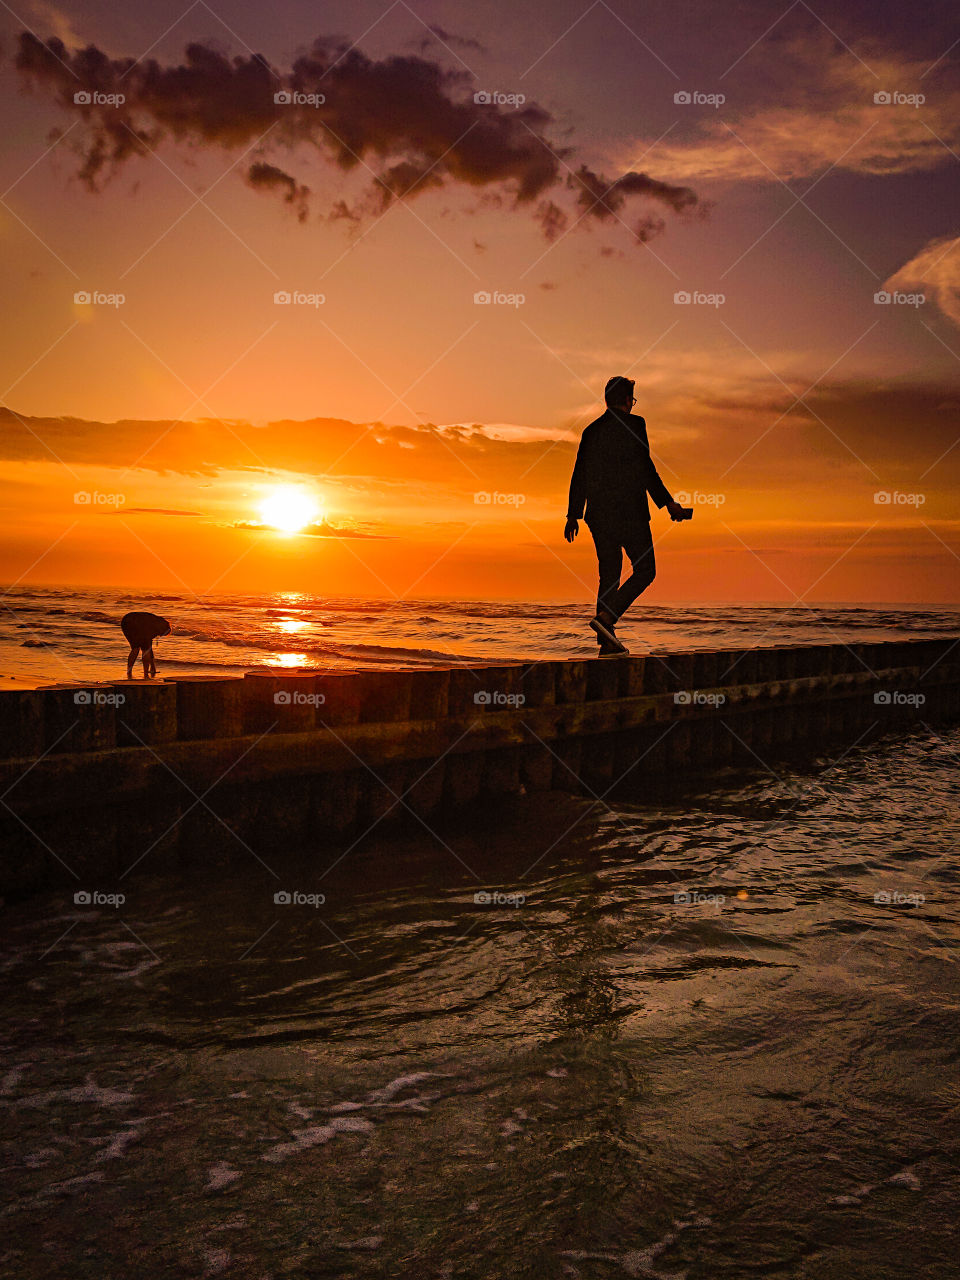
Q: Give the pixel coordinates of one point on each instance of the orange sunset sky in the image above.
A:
(585, 167)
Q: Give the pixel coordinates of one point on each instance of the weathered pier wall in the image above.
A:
(97, 778)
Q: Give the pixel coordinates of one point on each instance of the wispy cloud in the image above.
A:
(813, 107)
(935, 271)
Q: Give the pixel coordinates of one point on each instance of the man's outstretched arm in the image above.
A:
(659, 492)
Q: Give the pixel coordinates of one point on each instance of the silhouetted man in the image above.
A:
(612, 477)
(141, 629)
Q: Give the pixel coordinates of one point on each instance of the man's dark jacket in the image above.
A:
(614, 472)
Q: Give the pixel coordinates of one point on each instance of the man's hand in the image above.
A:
(675, 509)
(571, 529)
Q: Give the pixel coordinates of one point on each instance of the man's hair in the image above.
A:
(618, 389)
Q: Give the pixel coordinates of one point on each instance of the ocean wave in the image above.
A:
(234, 632)
(321, 648)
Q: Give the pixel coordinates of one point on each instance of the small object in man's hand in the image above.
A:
(686, 513)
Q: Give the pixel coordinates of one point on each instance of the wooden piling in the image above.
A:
(21, 723)
(429, 701)
(466, 700)
(78, 717)
(280, 702)
(146, 712)
(537, 684)
(208, 707)
(570, 684)
(385, 695)
(340, 699)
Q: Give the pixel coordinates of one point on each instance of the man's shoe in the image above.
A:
(607, 637)
(608, 650)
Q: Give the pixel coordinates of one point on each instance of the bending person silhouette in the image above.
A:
(140, 630)
(612, 477)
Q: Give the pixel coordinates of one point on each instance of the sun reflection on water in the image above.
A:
(290, 660)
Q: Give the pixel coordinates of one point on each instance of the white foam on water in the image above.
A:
(854, 1197)
(390, 1091)
(38, 1159)
(217, 1261)
(385, 1098)
(635, 1262)
(314, 1136)
(12, 1079)
(639, 1263)
(906, 1178)
(118, 1144)
(220, 1175)
(70, 1187)
(135, 972)
(112, 948)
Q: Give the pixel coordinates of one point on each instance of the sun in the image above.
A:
(288, 509)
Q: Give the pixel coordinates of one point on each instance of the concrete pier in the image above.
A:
(197, 766)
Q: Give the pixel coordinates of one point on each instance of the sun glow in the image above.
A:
(288, 509)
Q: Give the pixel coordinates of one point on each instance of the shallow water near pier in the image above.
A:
(717, 1037)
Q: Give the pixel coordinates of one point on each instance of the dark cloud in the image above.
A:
(552, 219)
(448, 38)
(603, 198)
(647, 228)
(268, 176)
(413, 124)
